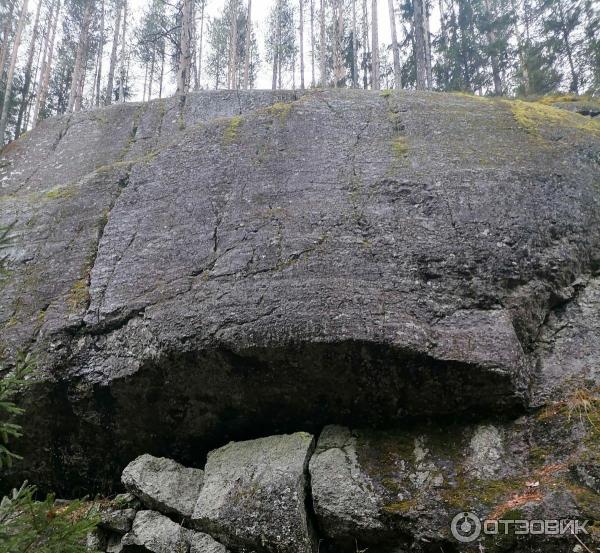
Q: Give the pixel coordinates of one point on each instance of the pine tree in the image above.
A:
(118, 7)
(375, 47)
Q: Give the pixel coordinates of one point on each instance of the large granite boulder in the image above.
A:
(256, 263)
(164, 485)
(255, 493)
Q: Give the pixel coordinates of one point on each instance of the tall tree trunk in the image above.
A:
(428, 60)
(162, 72)
(365, 30)
(276, 64)
(194, 41)
(123, 44)
(100, 55)
(491, 39)
(521, 50)
(302, 44)
(233, 40)
(395, 48)
(569, 50)
(28, 68)
(354, 47)
(322, 47)
(47, 67)
(420, 48)
(339, 44)
(152, 66)
(313, 81)
(248, 46)
(201, 40)
(6, 32)
(113, 55)
(11, 71)
(375, 47)
(80, 59)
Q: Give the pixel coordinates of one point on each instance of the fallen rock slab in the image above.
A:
(164, 485)
(254, 495)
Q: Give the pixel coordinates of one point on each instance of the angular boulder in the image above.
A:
(254, 495)
(159, 534)
(164, 485)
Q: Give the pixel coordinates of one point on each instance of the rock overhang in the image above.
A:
(339, 257)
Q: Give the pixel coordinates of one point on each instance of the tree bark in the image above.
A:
(276, 63)
(420, 49)
(248, 46)
(375, 47)
(11, 71)
(395, 48)
(491, 38)
(365, 29)
(122, 79)
(312, 43)
(113, 56)
(201, 43)
(100, 56)
(233, 39)
(322, 47)
(27, 81)
(162, 72)
(428, 60)
(80, 59)
(302, 44)
(7, 30)
(47, 69)
(152, 66)
(354, 47)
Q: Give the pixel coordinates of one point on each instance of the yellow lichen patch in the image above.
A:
(386, 93)
(60, 192)
(400, 506)
(400, 147)
(79, 295)
(231, 131)
(280, 110)
(532, 116)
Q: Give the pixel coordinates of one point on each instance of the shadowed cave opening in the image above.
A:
(184, 404)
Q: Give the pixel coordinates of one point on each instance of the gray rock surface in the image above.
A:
(118, 521)
(261, 262)
(164, 485)
(254, 495)
(157, 533)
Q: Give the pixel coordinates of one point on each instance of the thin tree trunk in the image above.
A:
(122, 79)
(100, 56)
(248, 46)
(395, 49)
(302, 44)
(80, 59)
(6, 32)
(375, 47)
(28, 68)
(47, 69)
(113, 56)
(521, 49)
(322, 47)
(569, 50)
(354, 47)
(152, 65)
(420, 48)
(194, 61)
(339, 44)
(233, 40)
(277, 47)
(162, 72)
(365, 30)
(11, 71)
(428, 60)
(145, 82)
(201, 43)
(491, 38)
(313, 81)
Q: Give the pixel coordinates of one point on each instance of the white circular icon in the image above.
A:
(466, 527)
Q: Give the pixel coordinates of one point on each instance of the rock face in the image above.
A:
(259, 263)
(163, 484)
(255, 493)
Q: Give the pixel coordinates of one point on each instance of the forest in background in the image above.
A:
(59, 56)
